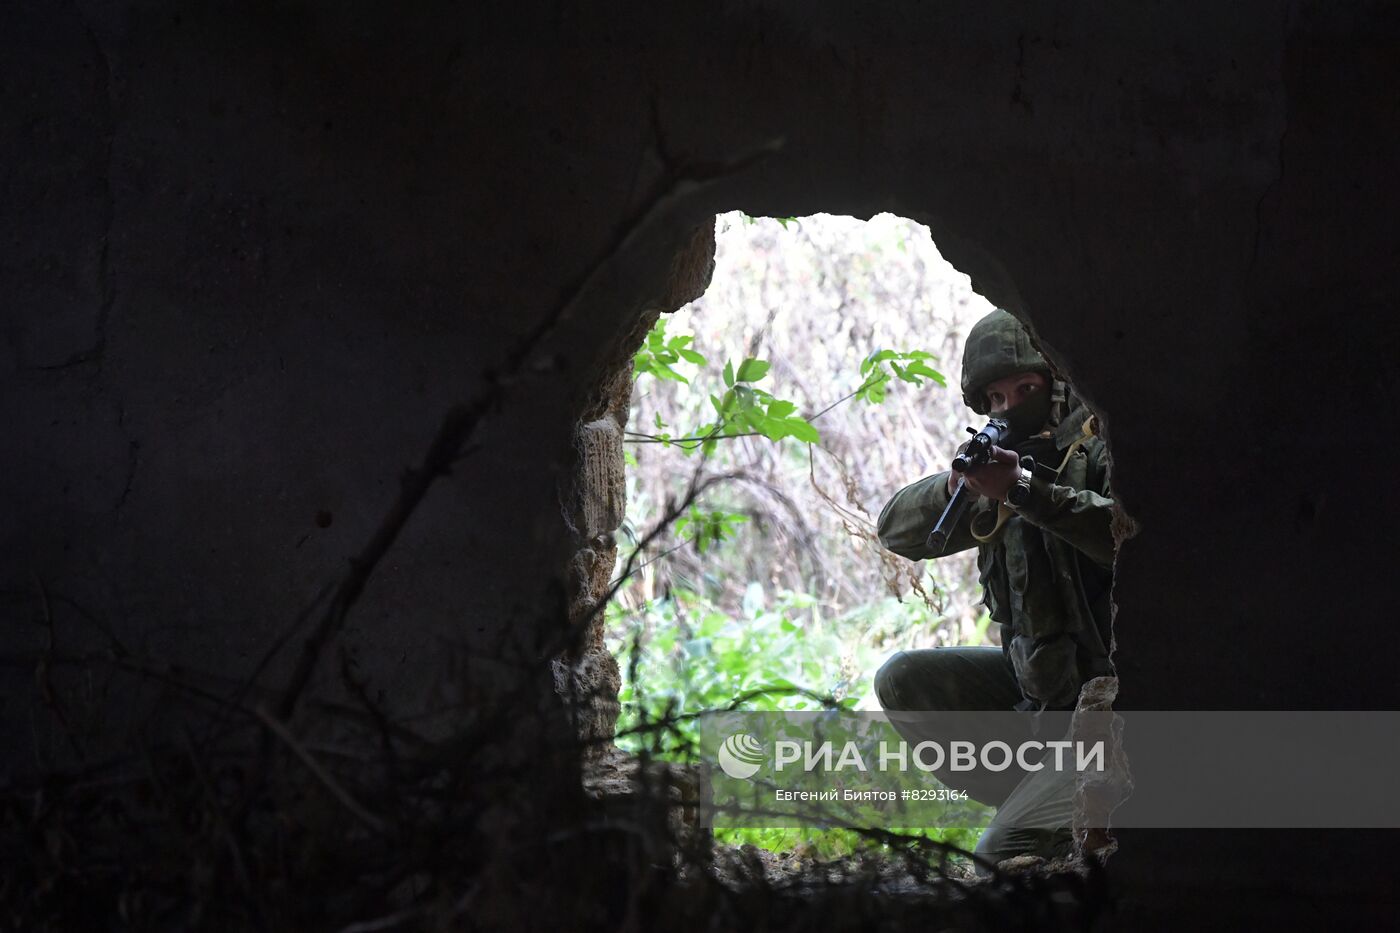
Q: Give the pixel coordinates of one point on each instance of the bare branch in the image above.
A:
(320, 773)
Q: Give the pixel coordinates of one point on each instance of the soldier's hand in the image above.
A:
(955, 475)
(995, 477)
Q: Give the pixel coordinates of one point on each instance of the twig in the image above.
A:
(666, 553)
(357, 689)
(682, 442)
(131, 665)
(384, 923)
(845, 398)
(312, 765)
(222, 827)
(565, 645)
(638, 437)
(43, 678)
(454, 431)
(280, 642)
(572, 634)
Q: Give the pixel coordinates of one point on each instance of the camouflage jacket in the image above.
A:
(1046, 576)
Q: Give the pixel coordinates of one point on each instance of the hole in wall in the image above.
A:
(817, 375)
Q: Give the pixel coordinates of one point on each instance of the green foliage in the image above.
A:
(749, 220)
(682, 656)
(747, 409)
(834, 843)
(692, 657)
(909, 366)
(744, 409)
(707, 528)
(659, 354)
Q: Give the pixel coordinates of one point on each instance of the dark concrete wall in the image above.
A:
(253, 253)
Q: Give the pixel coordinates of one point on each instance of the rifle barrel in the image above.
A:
(957, 505)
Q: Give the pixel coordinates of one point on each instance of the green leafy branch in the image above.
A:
(881, 366)
(745, 410)
(707, 528)
(749, 220)
(659, 354)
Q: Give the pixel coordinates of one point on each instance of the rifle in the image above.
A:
(974, 454)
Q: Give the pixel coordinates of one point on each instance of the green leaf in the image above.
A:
(659, 423)
(752, 370)
(658, 354)
(874, 391)
(875, 359)
(803, 431)
(774, 428)
(729, 374)
(665, 372)
(920, 368)
(780, 408)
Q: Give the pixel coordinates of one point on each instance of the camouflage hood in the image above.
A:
(998, 346)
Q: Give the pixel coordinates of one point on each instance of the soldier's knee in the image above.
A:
(891, 681)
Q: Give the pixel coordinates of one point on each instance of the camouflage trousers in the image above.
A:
(1033, 807)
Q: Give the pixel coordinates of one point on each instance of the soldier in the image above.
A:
(1045, 556)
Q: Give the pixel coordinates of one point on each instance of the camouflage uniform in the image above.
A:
(1046, 577)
